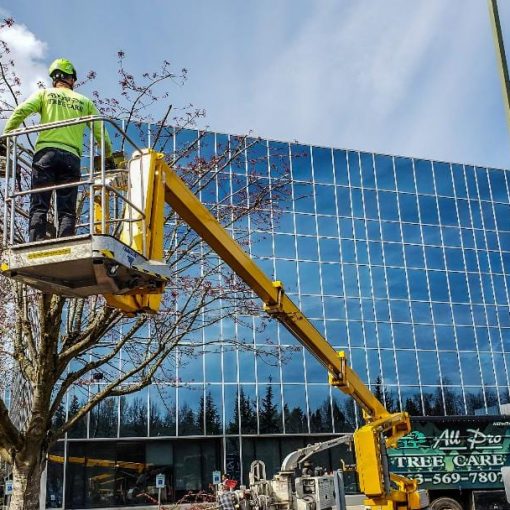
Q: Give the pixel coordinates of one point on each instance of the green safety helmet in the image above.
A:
(64, 66)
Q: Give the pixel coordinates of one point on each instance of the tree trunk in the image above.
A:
(26, 477)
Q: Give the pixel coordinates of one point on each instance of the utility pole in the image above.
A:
(500, 51)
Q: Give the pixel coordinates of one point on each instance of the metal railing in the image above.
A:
(109, 189)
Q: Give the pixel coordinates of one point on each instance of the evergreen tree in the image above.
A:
(378, 389)
(103, 419)
(161, 425)
(295, 420)
(245, 413)
(320, 419)
(385, 395)
(188, 422)
(135, 417)
(80, 429)
(60, 416)
(475, 402)
(233, 426)
(248, 414)
(491, 397)
(413, 405)
(209, 415)
(433, 403)
(340, 420)
(350, 414)
(504, 395)
(270, 418)
(169, 421)
(156, 420)
(453, 402)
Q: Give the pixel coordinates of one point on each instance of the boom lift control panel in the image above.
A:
(118, 253)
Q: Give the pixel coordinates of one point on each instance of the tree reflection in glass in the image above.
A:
(133, 415)
(162, 410)
(270, 415)
(245, 411)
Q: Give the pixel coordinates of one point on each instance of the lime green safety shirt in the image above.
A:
(56, 104)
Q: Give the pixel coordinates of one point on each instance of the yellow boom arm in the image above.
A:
(382, 429)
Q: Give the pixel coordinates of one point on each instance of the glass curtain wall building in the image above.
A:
(403, 263)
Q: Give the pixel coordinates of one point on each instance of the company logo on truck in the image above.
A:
(475, 437)
(467, 455)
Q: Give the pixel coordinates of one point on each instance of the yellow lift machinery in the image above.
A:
(119, 254)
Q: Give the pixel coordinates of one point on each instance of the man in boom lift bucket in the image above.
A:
(57, 151)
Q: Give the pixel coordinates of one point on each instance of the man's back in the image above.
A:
(56, 104)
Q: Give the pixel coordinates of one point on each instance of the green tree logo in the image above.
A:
(413, 440)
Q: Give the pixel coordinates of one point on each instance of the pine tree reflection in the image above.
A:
(270, 418)
(209, 415)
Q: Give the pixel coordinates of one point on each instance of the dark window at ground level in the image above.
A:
(123, 473)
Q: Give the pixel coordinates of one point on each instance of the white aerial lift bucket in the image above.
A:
(95, 260)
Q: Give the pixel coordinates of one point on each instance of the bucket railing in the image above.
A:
(105, 203)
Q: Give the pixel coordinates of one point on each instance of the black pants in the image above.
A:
(51, 167)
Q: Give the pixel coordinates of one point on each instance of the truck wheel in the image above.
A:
(445, 504)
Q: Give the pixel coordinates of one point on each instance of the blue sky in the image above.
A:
(413, 78)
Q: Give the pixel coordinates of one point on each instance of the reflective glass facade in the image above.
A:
(403, 263)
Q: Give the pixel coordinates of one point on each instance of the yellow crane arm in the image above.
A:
(382, 429)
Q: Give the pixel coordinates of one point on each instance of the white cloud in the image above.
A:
(27, 51)
(355, 68)
(397, 77)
